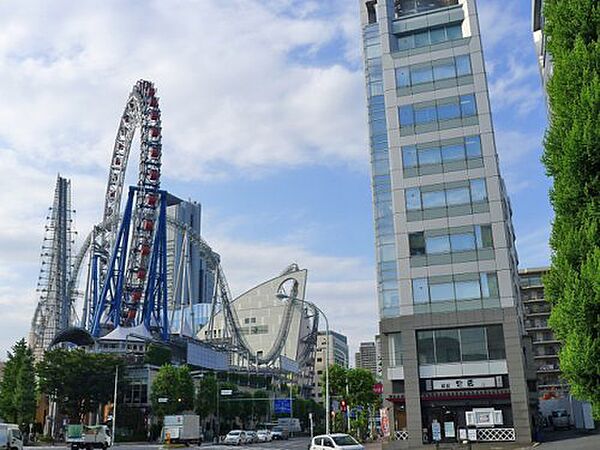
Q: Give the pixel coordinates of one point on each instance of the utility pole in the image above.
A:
(347, 403)
(114, 418)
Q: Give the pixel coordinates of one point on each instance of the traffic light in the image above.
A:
(343, 405)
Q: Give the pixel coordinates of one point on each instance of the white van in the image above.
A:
(10, 437)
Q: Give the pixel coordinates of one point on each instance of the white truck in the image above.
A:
(10, 437)
(182, 429)
(88, 437)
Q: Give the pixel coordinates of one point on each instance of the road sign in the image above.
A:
(163, 400)
(226, 392)
(282, 406)
(378, 388)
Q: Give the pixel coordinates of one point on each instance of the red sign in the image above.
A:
(378, 388)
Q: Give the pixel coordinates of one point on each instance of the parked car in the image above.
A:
(560, 419)
(10, 437)
(235, 437)
(251, 437)
(264, 436)
(280, 433)
(334, 441)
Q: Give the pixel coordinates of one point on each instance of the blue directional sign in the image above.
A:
(282, 406)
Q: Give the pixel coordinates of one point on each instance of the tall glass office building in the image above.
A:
(455, 360)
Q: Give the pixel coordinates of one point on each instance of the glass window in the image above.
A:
(492, 280)
(413, 198)
(402, 77)
(437, 35)
(473, 144)
(454, 32)
(441, 292)
(416, 242)
(430, 156)
(467, 290)
(406, 115)
(444, 71)
(478, 191)
(458, 196)
(486, 236)
(495, 342)
(420, 290)
(485, 289)
(376, 88)
(437, 244)
(387, 252)
(373, 51)
(453, 153)
(425, 115)
(447, 346)
(422, 39)
(421, 75)
(380, 167)
(425, 347)
(409, 157)
(468, 106)
(463, 65)
(462, 242)
(472, 344)
(435, 199)
(395, 347)
(406, 42)
(448, 111)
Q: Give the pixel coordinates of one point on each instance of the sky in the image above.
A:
(264, 123)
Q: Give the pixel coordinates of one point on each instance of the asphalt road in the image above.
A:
(291, 444)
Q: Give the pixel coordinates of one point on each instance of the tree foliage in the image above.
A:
(18, 386)
(572, 159)
(79, 381)
(206, 397)
(158, 355)
(175, 387)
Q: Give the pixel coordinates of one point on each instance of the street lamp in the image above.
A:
(282, 296)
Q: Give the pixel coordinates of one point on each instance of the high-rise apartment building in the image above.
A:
(366, 357)
(539, 38)
(190, 280)
(451, 320)
(338, 355)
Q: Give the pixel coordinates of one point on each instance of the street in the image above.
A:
(291, 444)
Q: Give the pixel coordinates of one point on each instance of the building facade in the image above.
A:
(539, 38)
(190, 281)
(338, 355)
(451, 320)
(366, 357)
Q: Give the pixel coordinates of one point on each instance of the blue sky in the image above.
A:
(263, 122)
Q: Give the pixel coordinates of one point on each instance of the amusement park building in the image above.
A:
(451, 319)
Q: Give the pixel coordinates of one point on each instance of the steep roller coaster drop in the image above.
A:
(126, 284)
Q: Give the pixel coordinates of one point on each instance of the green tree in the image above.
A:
(261, 405)
(79, 381)
(206, 397)
(174, 386)
(18, 386)
(158, 355)
(356, 387)
(572, 159)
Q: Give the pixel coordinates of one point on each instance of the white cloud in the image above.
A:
(234, 100)
(344, 287)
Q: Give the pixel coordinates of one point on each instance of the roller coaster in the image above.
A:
(126, 283)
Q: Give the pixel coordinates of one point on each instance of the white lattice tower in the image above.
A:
(53, 311)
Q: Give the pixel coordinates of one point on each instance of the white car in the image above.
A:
(264, 436)
(10, 437)
(335, 441)
(235, 437)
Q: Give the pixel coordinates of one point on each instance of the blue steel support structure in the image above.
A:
(109, 307)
